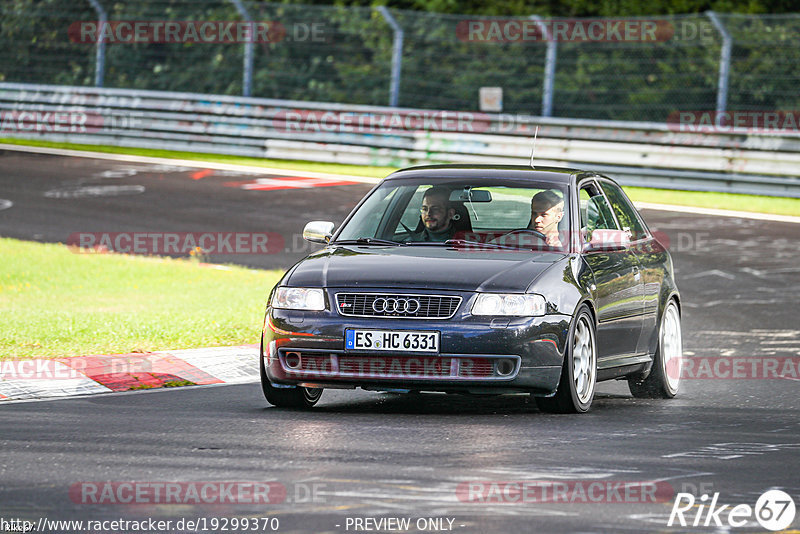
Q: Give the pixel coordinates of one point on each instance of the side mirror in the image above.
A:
(318, 232)
(608, 240)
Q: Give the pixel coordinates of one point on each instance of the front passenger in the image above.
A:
(547, 210)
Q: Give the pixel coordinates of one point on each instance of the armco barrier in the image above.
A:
(635, 153)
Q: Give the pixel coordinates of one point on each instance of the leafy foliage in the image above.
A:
(343, 53)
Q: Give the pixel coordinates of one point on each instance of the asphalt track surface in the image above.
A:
(367, 455)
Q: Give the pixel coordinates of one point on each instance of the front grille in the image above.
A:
(315, 363)
(476, 368)
(339, 365)
(394, 366)
(397, 305)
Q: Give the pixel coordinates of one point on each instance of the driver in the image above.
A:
(547, 210)
(437, 216)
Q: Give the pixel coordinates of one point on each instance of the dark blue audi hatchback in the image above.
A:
(478, 280)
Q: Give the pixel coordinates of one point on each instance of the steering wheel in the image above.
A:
(407, 230)
(522, 231)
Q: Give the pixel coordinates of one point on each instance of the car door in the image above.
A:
(651, 255)
(618, 283)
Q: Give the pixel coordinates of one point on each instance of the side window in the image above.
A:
(595, 212)
(625, 211)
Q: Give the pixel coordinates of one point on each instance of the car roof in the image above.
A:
(558, 175)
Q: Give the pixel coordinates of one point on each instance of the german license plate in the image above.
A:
(391, 340)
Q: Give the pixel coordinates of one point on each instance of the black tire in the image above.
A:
(296, 397)
(576, 392)
(663, 381)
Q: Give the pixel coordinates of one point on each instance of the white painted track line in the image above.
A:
(719, 213)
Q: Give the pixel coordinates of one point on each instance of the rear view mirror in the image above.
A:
(608, 240)
(318, 232)
(470, 195)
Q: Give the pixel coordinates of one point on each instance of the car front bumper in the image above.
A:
(477, 354)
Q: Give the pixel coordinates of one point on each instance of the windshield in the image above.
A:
(516, 215)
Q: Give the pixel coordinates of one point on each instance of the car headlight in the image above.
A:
(299, 298)
(509, 304)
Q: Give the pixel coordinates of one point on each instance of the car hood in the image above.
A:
(421, 267)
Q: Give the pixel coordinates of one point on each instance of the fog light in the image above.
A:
(504, 367)
(293, 360)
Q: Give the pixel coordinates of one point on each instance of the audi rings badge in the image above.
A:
(395, 305)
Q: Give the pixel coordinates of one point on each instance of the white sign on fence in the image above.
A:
(491, 99)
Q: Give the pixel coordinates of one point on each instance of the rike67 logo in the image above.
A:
(774, 510)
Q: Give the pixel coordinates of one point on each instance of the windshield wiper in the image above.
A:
(462, 242)
(367, 241)
(457, 243)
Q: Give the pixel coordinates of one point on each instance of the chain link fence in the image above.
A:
(610, 69)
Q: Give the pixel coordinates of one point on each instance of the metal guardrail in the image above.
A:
(635, 153)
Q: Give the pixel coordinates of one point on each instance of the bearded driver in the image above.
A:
(547, 210)
(437, 216)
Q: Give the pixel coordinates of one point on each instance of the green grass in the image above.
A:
(728, 201)
(170, 384)
(54, 302)
(725, 201)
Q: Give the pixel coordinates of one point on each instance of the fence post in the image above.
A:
(100, 52)
(397, 55)
(247, 74)
(549, 67)
(724, 66)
